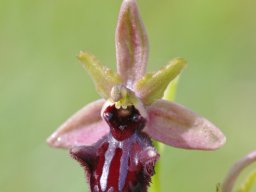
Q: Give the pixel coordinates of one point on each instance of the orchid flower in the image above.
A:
(130, 112)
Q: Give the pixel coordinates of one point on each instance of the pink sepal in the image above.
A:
(175, 125)
(84, 128)
(131, 44)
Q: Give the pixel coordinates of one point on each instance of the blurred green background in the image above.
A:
(42, 83)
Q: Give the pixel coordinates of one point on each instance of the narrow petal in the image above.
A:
(131, 43)
(177, 126)
(103, 77)
(236, 170)
(84, 128)
(152, 86)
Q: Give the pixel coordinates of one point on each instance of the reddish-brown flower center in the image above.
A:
(123, 122)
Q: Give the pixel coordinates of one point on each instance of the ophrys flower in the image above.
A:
(110, 136)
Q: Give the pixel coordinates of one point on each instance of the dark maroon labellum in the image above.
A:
(122, 161)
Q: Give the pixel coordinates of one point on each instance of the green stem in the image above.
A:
(155, 186)
(169, 94)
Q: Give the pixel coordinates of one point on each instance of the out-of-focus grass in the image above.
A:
(42, 83)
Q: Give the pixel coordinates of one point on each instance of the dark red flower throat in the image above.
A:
(124, 159)
(123, 122)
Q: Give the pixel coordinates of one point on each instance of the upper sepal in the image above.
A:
(131, 44)
(103, 77)
(178, 126)
(152, 86)
(84, 128)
